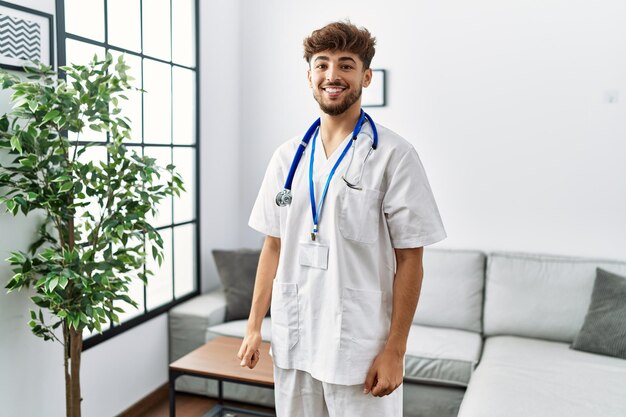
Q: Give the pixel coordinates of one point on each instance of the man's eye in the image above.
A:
(347, 67)
(321, 66)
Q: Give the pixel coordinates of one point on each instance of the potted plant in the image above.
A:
(90, 245)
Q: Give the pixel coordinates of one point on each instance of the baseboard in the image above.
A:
(146, 403)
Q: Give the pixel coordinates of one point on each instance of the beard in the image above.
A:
(337, 108)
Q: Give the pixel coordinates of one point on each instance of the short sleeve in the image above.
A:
(409, 206)
(265, 216)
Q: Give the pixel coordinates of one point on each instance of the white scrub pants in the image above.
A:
(298, 394)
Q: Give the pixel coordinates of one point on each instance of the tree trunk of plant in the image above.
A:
(73, 349)
(76, 339)
(76, 348)
(66, 360)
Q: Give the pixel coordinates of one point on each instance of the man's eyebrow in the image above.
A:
(321, 58)
(325, 58)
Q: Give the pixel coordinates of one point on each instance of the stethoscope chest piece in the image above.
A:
(283, 198)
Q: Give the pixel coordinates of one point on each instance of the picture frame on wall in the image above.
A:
(26, 36)
(375, 95)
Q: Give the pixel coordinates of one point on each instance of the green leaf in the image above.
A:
(27, 162)
(15, 144)
(50, 115)
(65, 187)
(63, 280)
(20, 200)
(84, 318)
(10, 205)
(53, 284)
(32, 105)
(17, 257)
(13, 284)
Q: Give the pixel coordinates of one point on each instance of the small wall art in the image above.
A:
(25, 37)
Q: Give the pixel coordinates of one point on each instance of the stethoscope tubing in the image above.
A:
(296, 159)
(309, 134)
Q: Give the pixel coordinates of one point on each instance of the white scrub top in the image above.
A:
(333, 322)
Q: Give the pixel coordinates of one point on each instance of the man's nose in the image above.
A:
(332, 74)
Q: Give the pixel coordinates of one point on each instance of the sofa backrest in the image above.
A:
(452, 289)
(540, 296)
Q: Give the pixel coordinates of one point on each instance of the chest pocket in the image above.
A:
(359, 216)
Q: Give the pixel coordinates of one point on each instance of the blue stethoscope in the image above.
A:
(284, 197)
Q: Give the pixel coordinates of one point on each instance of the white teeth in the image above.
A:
(333, 90)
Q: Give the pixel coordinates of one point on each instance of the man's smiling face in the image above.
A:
(337, 79)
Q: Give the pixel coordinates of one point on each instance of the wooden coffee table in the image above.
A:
(217, 360)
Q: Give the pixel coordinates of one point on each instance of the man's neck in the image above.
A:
(334, 129)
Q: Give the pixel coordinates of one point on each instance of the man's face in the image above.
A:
(337, 79)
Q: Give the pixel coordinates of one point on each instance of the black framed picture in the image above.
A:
(25, 37)
(375, 95)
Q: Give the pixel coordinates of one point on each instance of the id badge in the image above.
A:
(313, 255)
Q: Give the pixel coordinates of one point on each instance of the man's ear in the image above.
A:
(308, 77)
(367, 77)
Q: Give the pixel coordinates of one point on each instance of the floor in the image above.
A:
(187, 405)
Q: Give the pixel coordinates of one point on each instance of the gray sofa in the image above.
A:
(490, 338)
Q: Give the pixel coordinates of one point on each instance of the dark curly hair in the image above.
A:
(341, 36)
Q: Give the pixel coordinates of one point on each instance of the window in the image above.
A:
(159, 41)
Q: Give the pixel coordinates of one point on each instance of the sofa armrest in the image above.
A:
(188, 321)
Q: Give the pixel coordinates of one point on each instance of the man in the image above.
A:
(342, 260)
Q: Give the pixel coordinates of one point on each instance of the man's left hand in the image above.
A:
(385, 374)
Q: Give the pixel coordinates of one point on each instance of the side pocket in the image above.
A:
(360, 214)
(285, 315)
(364, 327)
(363, 315)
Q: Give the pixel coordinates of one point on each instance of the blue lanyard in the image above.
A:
(314, 211)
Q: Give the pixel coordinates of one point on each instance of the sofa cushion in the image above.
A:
(237, 271)
(520, 377)
(187, 323)
(452, 290)
(604, 329)
(441, 356)
(539, 296)
(237, 328)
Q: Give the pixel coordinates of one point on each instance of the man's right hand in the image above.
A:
(249, 351)
(261, 300)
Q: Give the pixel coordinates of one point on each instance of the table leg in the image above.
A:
(172, 392)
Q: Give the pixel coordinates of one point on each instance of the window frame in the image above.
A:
(62, 36)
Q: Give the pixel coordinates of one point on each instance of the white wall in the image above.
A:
(504, 101)
(219, 135)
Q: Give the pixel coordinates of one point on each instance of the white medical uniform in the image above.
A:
(331, 323)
